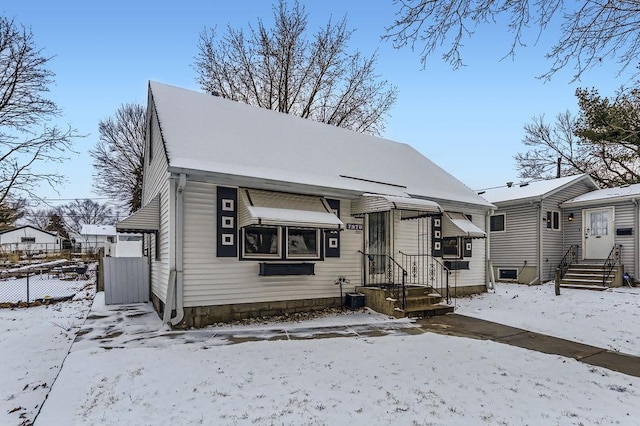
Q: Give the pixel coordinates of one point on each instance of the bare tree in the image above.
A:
(603, 140)
(554, 151)
(87, 212)
(118, 156)
(27, 139)
(279, 68)
(11, 211)
(590, 31)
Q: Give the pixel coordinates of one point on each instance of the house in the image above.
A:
(95, 237)
(29, 239)
(251, 212)
(528, 228)
(604, 229)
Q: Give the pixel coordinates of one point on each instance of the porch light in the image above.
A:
(570, 217)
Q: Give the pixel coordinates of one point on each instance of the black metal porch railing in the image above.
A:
(383, 271)
(569, 258)
(612, 260)
(425, 270)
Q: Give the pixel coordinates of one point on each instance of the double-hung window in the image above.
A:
(553, 220)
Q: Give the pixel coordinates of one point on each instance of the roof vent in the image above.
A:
(524, 184)
(481, 192)
(509, 184)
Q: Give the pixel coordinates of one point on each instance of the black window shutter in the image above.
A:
(436, 236)
(331, 237)
(227, 222)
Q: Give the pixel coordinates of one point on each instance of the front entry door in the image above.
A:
(377, 246)
(598, 233)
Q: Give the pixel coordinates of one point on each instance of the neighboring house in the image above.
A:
(602, 220)
(251, 212)
(29, 239)
(95, 237)
(527, 230)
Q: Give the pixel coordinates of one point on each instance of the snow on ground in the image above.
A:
(608, 319)
(360, 368)
(34, 342)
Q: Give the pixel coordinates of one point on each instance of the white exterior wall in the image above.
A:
(12, 240)
(212, 280)
(156, 181)
(476, 275)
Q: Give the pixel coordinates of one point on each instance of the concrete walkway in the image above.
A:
(464, 326)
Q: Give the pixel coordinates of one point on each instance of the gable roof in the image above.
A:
(619, 193)
(29, 226)
(215, 136)
(527, 191)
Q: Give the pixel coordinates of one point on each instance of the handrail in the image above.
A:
(371, 256)
(568, 259)
(612, 260)
(431, 279)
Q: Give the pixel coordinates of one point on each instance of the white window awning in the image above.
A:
(282, 209)
(145, 220)
(370, 203)
(458, 225)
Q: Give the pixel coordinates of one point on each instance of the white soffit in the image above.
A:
(145, 220)
(282, 209)
(457, 225)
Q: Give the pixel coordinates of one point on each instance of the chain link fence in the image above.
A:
(44, 283)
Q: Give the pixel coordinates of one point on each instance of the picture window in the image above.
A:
(303, 243)
(261, 242)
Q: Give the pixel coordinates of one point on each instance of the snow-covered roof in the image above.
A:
(619, 193)
(28, 226)
(98, 230)
(205, 133)
(533, 190)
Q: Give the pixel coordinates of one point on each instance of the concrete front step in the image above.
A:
(425, 311)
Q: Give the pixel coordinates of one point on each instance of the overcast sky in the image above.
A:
(468, 121)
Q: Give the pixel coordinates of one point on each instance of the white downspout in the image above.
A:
(491, 284)
(540, 276)
(182, 182)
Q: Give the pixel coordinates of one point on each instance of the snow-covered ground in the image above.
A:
(609, 319)
(126, 367)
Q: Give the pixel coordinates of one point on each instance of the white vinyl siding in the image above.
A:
(625, 218)
(212, 280)
(156, 181)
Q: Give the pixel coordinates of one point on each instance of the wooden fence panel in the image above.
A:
(126, 280)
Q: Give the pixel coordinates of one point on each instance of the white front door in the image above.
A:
(597, 227)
